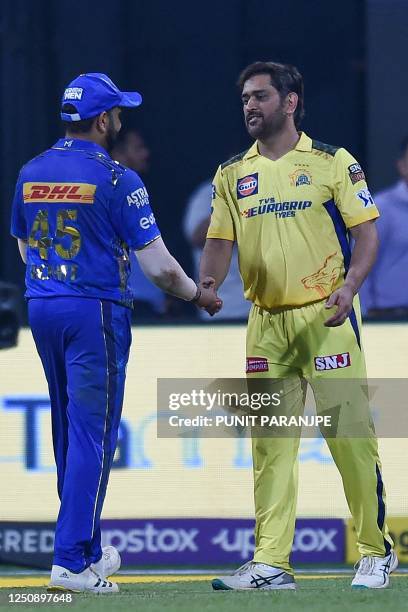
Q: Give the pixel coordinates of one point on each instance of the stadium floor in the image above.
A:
(318, 591)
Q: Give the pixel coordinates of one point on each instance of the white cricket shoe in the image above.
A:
(87, 581)
(374, 572)
(255, 575)
(108, 564)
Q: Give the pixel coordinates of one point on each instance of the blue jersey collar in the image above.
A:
(77, 144)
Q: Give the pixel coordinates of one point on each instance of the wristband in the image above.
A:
(197, 296)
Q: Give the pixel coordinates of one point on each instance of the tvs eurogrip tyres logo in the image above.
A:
(247, 186)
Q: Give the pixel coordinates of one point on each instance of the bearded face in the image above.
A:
(264, 108)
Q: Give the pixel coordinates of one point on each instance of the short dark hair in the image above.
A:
(403, 147)
(284, 77)
(76, 127)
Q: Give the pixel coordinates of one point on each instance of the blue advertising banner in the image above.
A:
(178, 542)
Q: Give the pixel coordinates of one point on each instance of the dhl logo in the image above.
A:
(79, 193)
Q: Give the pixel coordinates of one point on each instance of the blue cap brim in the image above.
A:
(130, 99)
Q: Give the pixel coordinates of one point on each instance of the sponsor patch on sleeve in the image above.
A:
(256, 364)
(356, 173)
(139, 197)
(146, 222)
(365, 197)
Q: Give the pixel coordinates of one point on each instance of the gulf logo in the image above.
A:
(247, 186)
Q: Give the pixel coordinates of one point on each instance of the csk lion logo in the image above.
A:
(300, 177)
(325, 278)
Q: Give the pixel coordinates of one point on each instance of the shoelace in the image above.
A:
(366, 566)
(247, 566)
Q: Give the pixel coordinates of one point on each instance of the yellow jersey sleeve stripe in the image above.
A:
(222, 235)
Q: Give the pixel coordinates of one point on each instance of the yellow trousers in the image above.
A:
(293, 348)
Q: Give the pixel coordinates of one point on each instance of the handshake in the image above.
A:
(207, 298)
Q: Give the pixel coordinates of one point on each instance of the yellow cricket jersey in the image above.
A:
(290, 218)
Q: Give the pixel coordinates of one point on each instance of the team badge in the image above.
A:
(247, 186)
(300, 177)
(356, 173)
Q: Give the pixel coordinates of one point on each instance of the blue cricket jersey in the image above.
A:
(80, 212)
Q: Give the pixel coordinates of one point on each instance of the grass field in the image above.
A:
(194, 594)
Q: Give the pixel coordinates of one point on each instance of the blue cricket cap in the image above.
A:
(93, 93)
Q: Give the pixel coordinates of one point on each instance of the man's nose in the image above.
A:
(252, 103)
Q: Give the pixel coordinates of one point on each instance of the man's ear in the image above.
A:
(291, 103)
(102, 121)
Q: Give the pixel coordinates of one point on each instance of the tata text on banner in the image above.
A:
(176, 542)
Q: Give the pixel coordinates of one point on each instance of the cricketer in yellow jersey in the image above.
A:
(291, 204)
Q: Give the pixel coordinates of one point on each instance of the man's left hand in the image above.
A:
(343, 299)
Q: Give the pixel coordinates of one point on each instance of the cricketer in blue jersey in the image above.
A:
(76, 213)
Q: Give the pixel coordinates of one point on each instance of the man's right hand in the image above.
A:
(208, 299)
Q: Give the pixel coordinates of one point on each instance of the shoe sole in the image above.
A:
(363, 586)
(219, 585)
(59, 589)
(62, 589)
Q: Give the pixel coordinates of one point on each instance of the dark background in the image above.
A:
(185, 58)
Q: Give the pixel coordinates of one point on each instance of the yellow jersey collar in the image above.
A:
(304, 144)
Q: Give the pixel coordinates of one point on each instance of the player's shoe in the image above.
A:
(255, 575)
(108, 564)
(87, 581)
(374, 572)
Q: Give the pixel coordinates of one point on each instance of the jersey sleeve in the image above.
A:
(132, 216)
(221, 223)
(18, 222)
(351, 194)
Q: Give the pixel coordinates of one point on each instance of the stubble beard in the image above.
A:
(111, 136)
(266, 130)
